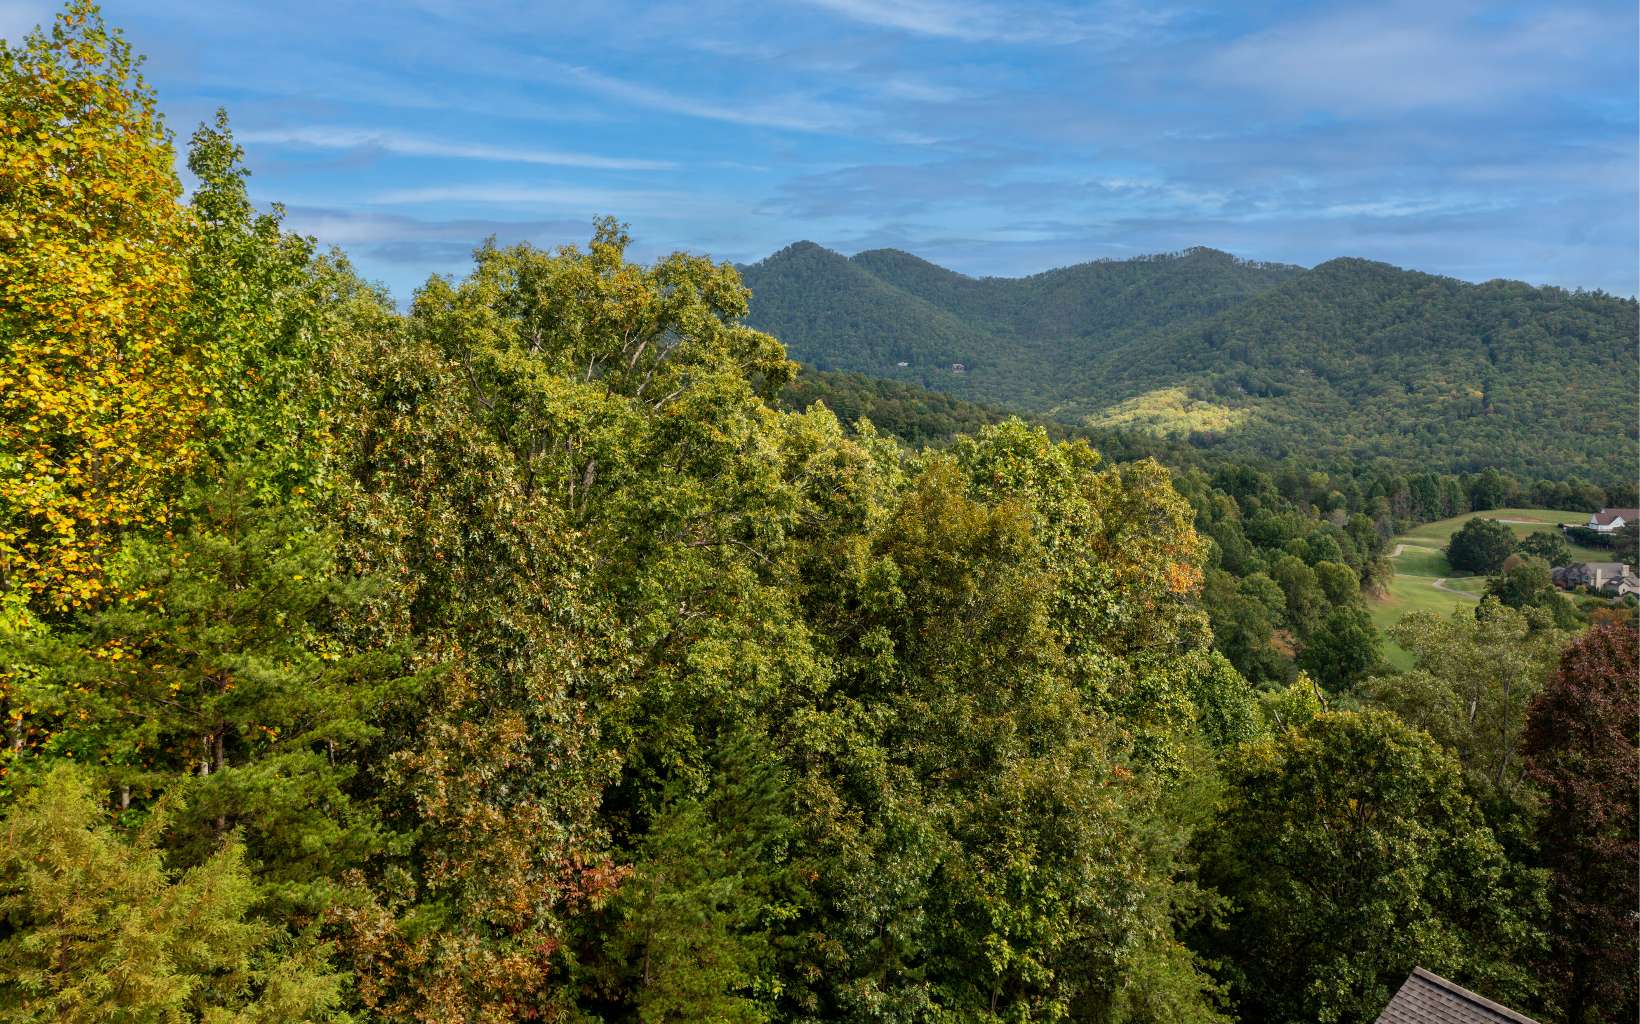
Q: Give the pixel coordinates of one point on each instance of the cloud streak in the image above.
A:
(1397, 58)
(970, 21)
(545, 195)
(791, 112)
(410, 145)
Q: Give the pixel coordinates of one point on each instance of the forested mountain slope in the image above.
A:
(1351, 360)
(857, 320)
(1016, 338)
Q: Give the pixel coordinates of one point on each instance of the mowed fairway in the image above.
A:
(1425, 582)
(1521, 520)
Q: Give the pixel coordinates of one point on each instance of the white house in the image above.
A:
(1610, 520)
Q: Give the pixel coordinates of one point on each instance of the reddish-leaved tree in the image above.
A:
(1580, 746)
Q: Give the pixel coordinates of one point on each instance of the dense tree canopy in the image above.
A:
(100, 392)
(1353, 854)
(551, 650)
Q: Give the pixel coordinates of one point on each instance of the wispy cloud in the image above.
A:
(998, 136)
(974, 22)
(411, 145)
(542, 197)
(336, 226)
(1396, 57)
(943, 18)
(793, 112)
(919, 90)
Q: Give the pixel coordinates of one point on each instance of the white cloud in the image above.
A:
(943, 18)
(974, 22)
(410, 145)
(791, 112)
(1396, 57)
(553, 196)
(920, 91)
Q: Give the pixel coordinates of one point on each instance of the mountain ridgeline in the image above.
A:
(1352, 360)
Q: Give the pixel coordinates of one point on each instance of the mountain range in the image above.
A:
(1351, 359)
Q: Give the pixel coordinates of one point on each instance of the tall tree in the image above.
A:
(1480, 545)
(1548, 545)
(567, 462)
(1580, 747)
(255, 313)
(220, 677)
(1343, 649)
(100, 394)
(1526, 583)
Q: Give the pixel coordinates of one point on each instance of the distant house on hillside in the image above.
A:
(1613, 579)
(958, 368)
(1426, 998)
(1610, 520)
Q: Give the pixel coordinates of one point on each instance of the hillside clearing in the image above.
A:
(1424, 582)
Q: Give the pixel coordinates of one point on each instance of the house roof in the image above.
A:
(1427, 998)
(1605, 516)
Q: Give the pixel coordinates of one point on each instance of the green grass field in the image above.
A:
(1421, 563)
(1521, 520)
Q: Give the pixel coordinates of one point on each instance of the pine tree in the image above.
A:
(218, 676)
(94, 927)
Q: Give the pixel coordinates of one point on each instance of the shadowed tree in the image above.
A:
(1580, 747)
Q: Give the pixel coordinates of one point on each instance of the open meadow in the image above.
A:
(1425, 582)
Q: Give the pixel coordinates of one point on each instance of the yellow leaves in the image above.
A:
(99, 405)
(1183, 577)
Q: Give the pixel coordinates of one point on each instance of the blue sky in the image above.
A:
(1479, 140)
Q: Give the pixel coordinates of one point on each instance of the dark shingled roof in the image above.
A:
(1428, 998)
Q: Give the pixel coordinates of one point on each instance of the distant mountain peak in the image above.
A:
(1353, 359)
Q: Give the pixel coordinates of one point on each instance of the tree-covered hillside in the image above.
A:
(1353, 360)
(524, 655)
(1015, 338)
(860, 321)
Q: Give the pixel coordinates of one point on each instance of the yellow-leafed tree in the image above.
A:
(99, 400)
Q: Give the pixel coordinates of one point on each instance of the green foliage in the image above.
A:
(1349, 362)
(1547, 545)
(1526, 583)
(1474, 677)
(1481, 546)
(1016, 339)
(1626, 543)
(697, 917)
(549, 652)
(1352, 854)
(917, 416)
(1343, 649)
(253, 314)
(94, 927)
(219, 677)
